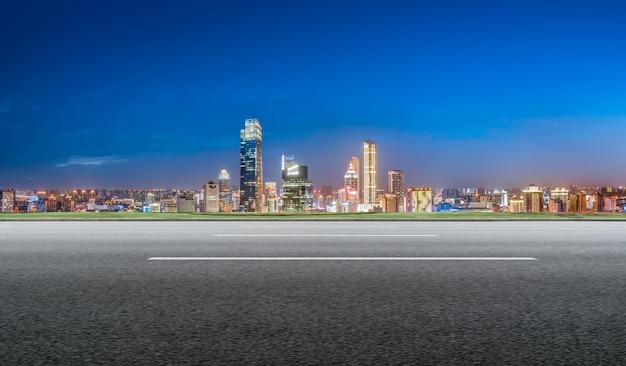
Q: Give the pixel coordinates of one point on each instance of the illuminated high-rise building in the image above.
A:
(251, 187)
(356, 164)
(396, 186)
(369, 175)
(297, 189)
(351, 181)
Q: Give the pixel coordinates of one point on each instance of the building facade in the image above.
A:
(396, 186)
(351, 185)
(186, 202)
(251, 165)
(270, 197)
(212, 197)
(559, 200)
(420, 200)
(516, 204)
(389, 202)
(7, 198)
(225, 195)
(297, 189)
(356, 164)
(533, 198)
(369, 175)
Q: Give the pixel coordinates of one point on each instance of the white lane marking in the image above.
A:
(325, 235)
(4, 226)
(342, 259)
(315, 227)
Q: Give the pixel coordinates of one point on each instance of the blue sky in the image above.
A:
(140, 94)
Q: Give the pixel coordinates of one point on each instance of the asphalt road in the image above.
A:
(80, 293)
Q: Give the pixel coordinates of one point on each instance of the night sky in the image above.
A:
(152, 94)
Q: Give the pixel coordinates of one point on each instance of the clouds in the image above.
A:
(90, 160)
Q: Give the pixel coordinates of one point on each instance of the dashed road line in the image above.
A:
(342, 259)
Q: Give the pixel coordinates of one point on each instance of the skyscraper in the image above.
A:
(351, 184)
(251, 187)
(356, 164)
(396, 185)
(297, 189)
(369, 175)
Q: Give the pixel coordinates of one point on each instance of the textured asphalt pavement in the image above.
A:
(81, 293)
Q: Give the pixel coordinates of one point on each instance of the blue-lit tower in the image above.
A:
(251, 187)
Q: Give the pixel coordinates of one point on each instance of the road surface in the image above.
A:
(287, 293)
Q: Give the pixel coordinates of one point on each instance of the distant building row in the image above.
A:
(560, 200)
(221, 198)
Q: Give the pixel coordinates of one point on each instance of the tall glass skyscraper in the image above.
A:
(251, 187)
(369, 175)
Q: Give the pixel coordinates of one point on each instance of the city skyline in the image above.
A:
(454, 94)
